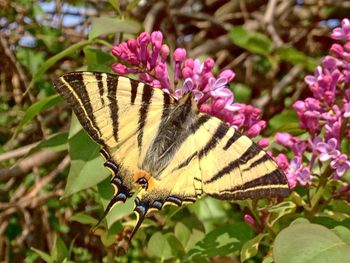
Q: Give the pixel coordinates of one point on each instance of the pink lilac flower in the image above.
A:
(296, 172)
(147, 57)
(282, 161)
(341, 164)
(323, 115)
(328, 150)
(264, 143)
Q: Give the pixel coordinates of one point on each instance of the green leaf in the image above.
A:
(105, 25)
(242, 93)
(159, 246)
(87, 167)
(296, 57)
(183, 233)
(60, 250)
(30, 58)
(250, 248)
(54, 59)
(282, 209)
(35, 109)
(116, 5)
(108, 237)
(300, 220)
(311, 243)
(222, 241)
(287, 117)
(44, 256)
(83, 219)
(254, 42)
(208, 208)
(343, 233)
(97, 60)
(57, 142)
(268, 260)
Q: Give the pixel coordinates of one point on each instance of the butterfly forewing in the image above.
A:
(120, 114)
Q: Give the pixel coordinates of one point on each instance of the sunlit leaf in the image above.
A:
(343, 233)
(83, 219)
(287, 117)
(222, 241)
(87, 167)
(159, 246)
(281, 209)
(296, 57)
(250, 248)
(105, 25)
(311, 243)
(57, 142)
(254, 42)
(36, 108)
(44, 256)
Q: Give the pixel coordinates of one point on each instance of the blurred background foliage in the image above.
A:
(271, 45)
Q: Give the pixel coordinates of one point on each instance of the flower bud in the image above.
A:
(228, 74)
(144, 39)
(119, 69)
(264, 142)
(157, 38)
(187, 72)
(179, 54)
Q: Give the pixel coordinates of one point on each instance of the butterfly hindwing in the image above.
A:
(234, 167)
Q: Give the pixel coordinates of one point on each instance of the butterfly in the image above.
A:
(164, 150)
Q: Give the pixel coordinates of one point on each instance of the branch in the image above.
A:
(26, 165)
(17, 152)
(211, 46)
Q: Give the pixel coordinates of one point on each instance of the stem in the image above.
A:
(315, 201)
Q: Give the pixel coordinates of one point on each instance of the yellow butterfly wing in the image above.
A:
(234, 167)
(120, 114)
(165, 149)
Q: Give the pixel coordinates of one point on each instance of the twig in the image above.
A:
(152, 16)
(211, 46)
(17, 152)
(268, 21)
(203, 16)
(285, 81)
(26, 165)
(243, 7)
(48, 178)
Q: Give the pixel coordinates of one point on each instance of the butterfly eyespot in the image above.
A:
(143, 182)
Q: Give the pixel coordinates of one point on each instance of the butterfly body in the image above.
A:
(164, 149)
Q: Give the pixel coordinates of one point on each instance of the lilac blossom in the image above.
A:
(340, 164)
(323, 115)
(328, 150)
(147, 57)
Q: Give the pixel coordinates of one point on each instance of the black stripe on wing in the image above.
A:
(79, 102)
(112, 86)
(272, 184)
(249, 153)
(220, 133)
(98, 76)
(147, 94)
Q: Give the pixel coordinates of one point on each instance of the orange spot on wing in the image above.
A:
(141, 173)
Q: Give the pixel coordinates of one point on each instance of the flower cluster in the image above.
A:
(324, 115)
(147, 57)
